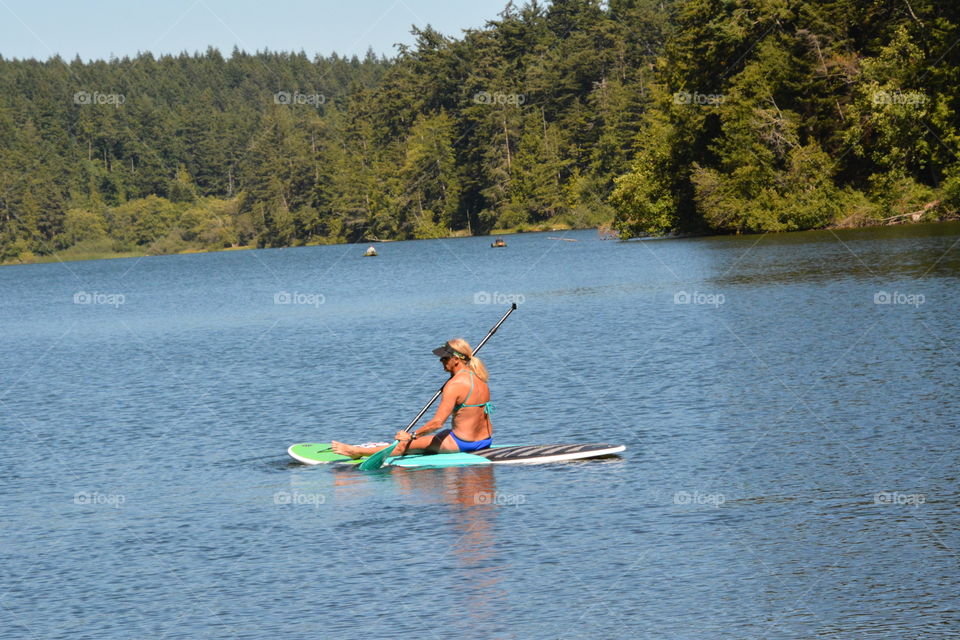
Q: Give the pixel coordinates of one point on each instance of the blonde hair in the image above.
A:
(475, 364)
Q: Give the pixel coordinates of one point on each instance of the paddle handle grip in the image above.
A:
(513, 307)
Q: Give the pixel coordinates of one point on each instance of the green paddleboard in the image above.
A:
(321, 453)
(317, 453)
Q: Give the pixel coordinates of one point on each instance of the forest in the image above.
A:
(650, 117)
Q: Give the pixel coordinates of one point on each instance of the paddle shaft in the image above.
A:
(513, 307)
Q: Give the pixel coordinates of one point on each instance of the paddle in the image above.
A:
(376, 460)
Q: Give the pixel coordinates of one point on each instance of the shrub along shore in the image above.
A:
(103, 248)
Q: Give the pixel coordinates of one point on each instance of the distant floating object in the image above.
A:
(498, 243)
(564, 239)
(370, 253)
(606, 232)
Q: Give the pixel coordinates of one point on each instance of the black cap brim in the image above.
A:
(443, 352)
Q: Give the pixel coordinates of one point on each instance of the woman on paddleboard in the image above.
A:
(466, 397)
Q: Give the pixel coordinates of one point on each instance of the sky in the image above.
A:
(99, 29)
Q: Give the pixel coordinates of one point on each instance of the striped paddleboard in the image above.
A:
(319, 453)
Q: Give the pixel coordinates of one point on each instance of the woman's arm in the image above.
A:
(449, 398)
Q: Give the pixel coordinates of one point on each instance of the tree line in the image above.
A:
(654, 116)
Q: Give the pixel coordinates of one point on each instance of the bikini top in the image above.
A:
(487, 406)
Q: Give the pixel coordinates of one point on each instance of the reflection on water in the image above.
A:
(832, 256)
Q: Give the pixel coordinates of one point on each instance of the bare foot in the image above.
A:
(346, 449)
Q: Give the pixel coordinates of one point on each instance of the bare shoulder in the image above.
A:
(456, 383)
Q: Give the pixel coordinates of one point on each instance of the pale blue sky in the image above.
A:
(101, 28)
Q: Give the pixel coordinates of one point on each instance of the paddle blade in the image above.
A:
(375, 461)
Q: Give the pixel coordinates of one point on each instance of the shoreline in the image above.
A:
(64, 256)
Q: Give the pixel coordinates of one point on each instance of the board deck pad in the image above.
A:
(534, 453)
(320, 453)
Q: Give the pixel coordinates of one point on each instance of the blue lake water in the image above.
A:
(788, 403)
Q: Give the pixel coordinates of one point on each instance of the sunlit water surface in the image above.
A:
(788, 403)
